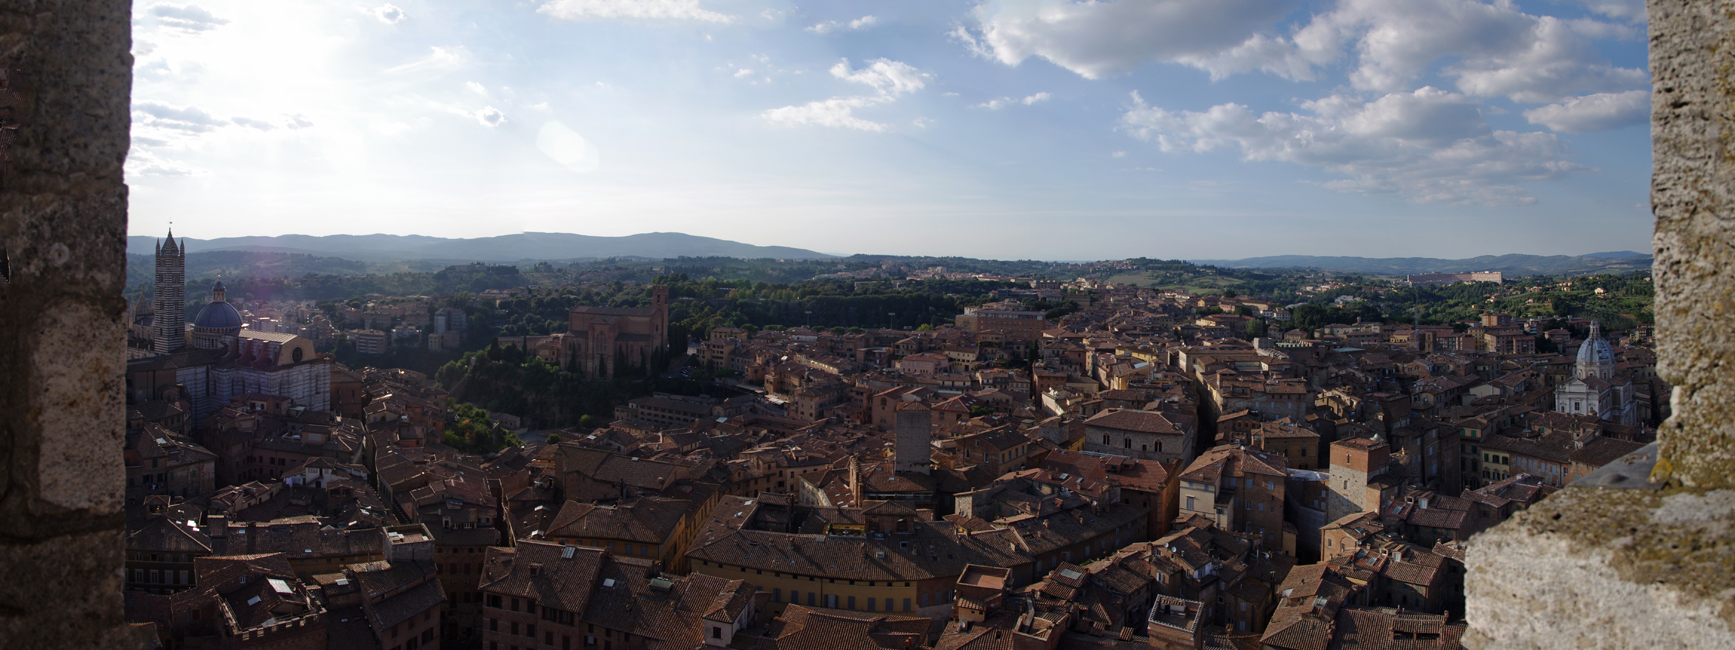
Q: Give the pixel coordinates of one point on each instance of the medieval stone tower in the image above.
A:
(170, 320)
(1355, 463)
(911, 450)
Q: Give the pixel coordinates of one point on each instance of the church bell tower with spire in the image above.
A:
(169, 319)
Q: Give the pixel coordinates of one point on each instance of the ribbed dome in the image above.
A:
(219, 316)
(1596, 350)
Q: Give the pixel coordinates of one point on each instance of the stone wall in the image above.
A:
(1651, 566)
(1693, 196)
(63, 209)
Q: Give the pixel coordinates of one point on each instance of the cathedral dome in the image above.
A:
(1595, 350)
(218, 316)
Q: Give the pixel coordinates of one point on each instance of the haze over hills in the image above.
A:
(1512, 265)
(504, 248)
(426, 253)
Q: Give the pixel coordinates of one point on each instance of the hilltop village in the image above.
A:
(1146, 471)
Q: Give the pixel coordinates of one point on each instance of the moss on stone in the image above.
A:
(1651, 537)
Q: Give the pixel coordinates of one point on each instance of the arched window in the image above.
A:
(295, 355)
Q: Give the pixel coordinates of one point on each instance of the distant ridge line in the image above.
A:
(502, 248)
(1511, 265)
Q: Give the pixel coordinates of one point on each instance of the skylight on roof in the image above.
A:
(253, 601)
(609, 582)
(279, 586)
(1069, 574)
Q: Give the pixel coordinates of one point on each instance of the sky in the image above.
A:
(1007, 129)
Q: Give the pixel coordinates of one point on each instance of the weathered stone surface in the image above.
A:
(1605, 568)
(80, 428)
(63, 227)
(1693, 176)
(70, 588)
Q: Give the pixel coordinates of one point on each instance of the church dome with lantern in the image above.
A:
(1595, 357)
(217, 322)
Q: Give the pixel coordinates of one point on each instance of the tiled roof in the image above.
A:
(806, 628)
(650, 519)
(1134, 420)
(1390, 629)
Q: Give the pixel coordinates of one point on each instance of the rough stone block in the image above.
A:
(1693, 176)
(76, 580)
(1605, 568)
(78, 382)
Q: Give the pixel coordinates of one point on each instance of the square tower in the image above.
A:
(912, 451)
(1354, 462)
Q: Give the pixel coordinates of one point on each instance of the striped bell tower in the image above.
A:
(170, 300)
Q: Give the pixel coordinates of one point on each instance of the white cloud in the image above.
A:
(1003, 102)
(191, 119)
(438, 57)
(490, 116)
(968, 39)
(252, 123)
(1599, 112)
(884, 75)
(189, 18)
(634, 9)
(146, 141)
(389, 14)
(1429, 145)
(1118, 154)
(1490, 48)
(858, 24)
(922, 122)
(476, 88)
(1497, 50)
(1631, 10)
(299, 122)
(835, 112)
(1100, 39)
(1599, 29)
(743, 73)
(144, 163)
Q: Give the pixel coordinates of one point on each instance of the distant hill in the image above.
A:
(1513, 265)
(529, 246)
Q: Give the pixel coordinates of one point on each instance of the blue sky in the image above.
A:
(1007, 129)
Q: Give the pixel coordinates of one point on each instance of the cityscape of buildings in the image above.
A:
(1143, 472)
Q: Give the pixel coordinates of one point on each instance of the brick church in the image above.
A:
(605, 342)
